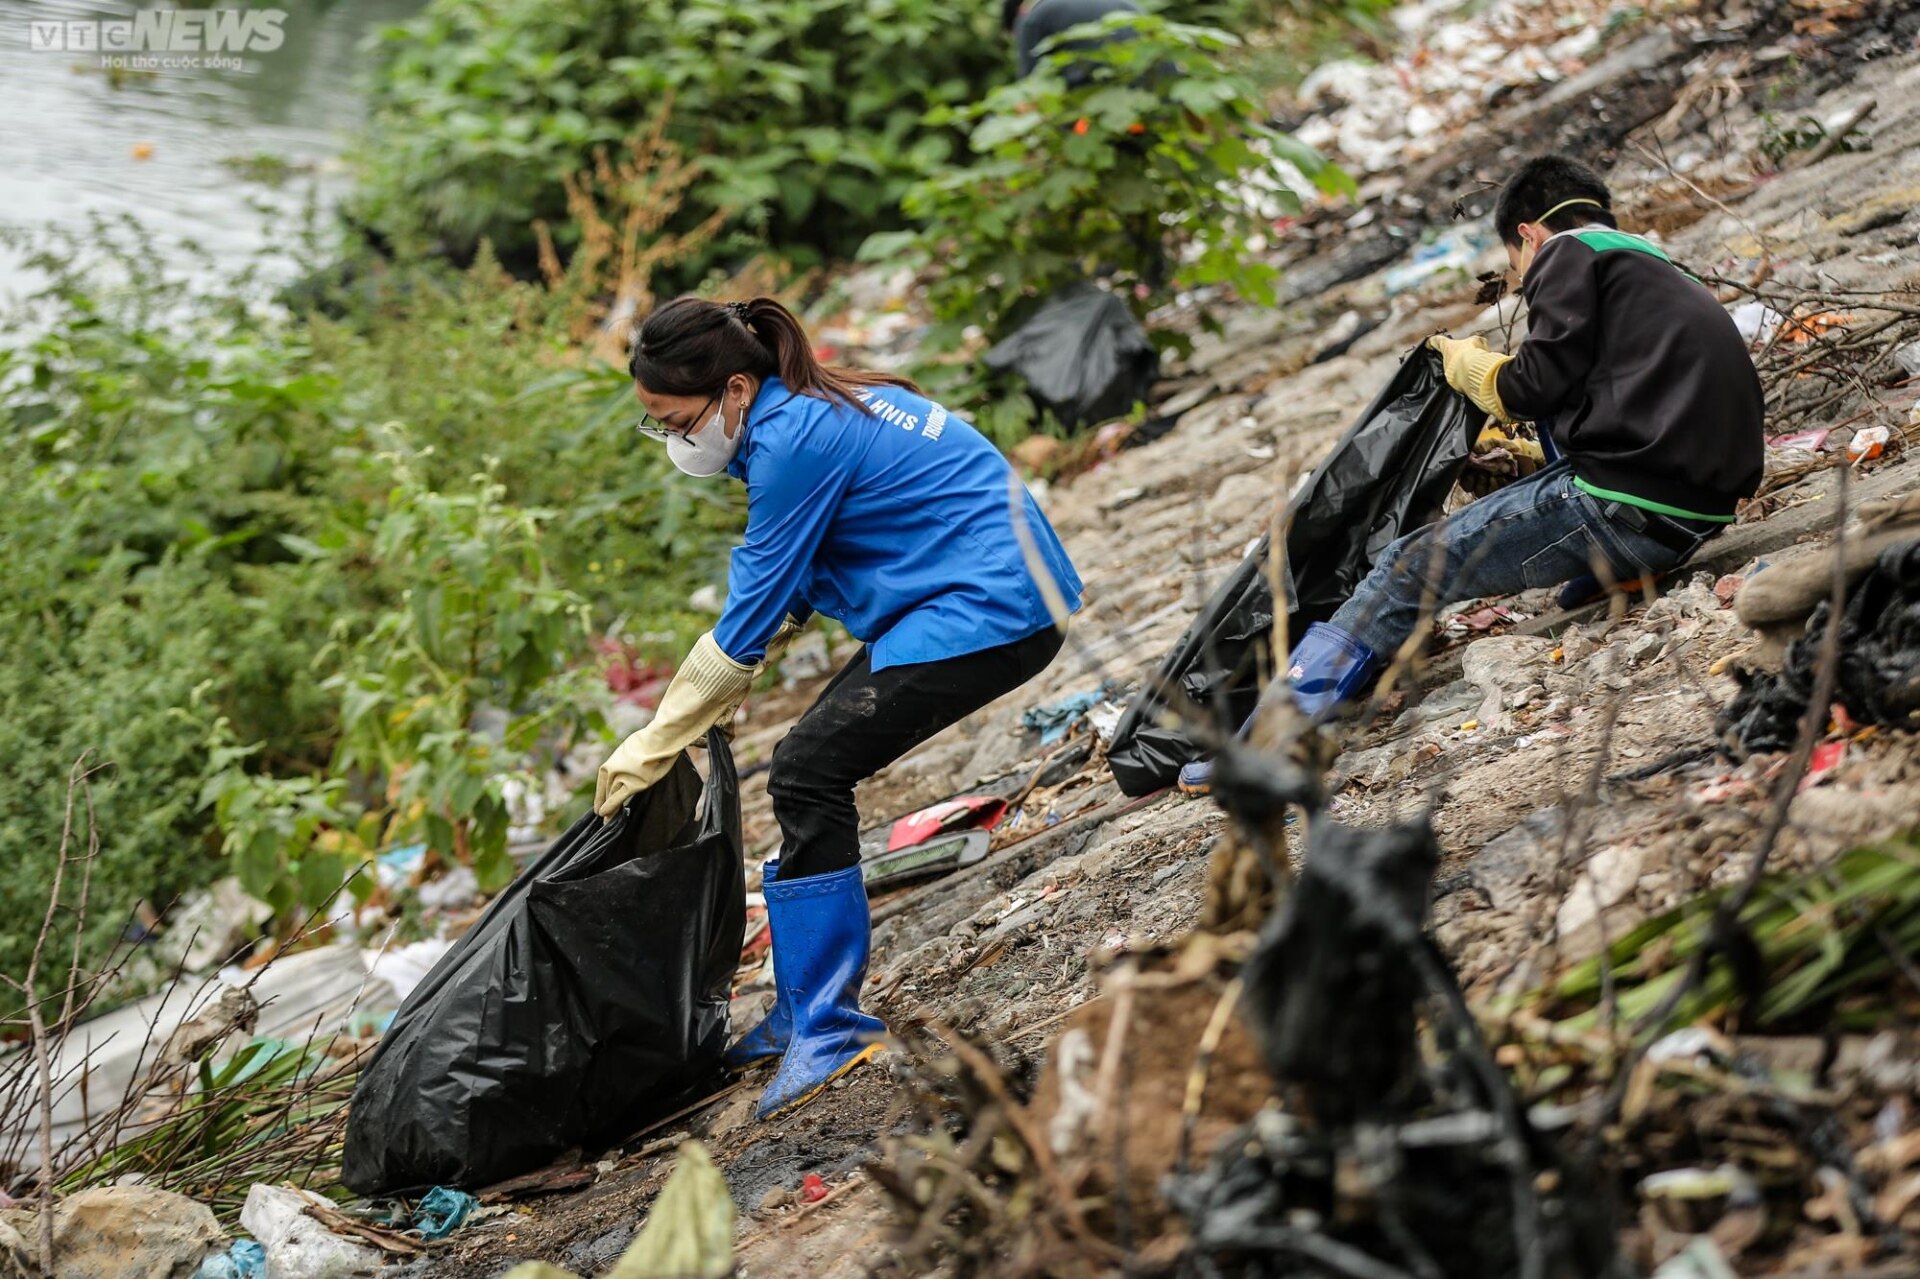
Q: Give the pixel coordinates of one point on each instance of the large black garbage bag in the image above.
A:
(1397, 1152)
(1083, 357)
(1389, 474)
(589, 999)
(1878, 674)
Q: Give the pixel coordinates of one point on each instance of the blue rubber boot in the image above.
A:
(769, 1038)
(1327, 667)
(822, 934)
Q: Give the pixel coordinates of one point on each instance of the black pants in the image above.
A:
(864, 721)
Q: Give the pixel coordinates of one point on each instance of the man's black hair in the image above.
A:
(1010, 14)
(1544, 182)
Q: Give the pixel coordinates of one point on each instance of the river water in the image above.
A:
(171, 144)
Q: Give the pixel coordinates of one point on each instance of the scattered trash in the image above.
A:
(941, 855)
(1373, 1158)
(1868, 443)
(297, 1246)
(442, 1211)
(1802, 441)
(1455, 250)
(1878, 674)
(1388, 475)
(246, 1259)
(689, 1230)
(1757, 322)
(1700, 1259)
(965, 813)
(813, 1188)
(108, 1231)
(1054, 720)
(405, 967)
(1083, 356)
(591, 996)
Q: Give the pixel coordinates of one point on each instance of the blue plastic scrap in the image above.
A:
(1054, 719)
(442, 1211)
(244, 1260)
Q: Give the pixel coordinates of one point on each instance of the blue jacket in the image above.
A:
(895, 520)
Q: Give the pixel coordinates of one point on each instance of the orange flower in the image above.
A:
(1081, 125)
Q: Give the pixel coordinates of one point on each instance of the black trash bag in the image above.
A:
(1330, 990)
(1389, 475)
(1394, 1153)
(1083, 357)
(590, 999)
(1878, 674)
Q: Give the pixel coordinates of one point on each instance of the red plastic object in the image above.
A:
(812, 1188)
(970, 813)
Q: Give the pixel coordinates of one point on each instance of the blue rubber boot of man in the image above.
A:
(1327, 667)
(769, 1038)
(822, 935)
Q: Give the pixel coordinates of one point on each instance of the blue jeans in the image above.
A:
(1540, 531)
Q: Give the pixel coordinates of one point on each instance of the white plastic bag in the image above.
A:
(298, 1247)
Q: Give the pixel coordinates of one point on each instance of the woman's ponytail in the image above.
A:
(691, 346)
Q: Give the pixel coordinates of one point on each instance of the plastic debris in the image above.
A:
(1083, 356)
(442, 1211)
(813, 1188)
(1455, 250)
(1868, 444)
(405, 967)
(1054, 720)
(1700, 1259)
(1878, 677)
(246, 1259)
(295, 1245)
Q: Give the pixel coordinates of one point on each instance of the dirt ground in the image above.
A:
(1501, 735)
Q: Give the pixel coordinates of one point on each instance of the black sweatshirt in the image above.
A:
(1050, 17)
(1648, 385)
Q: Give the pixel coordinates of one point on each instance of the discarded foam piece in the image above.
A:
(112, 1231)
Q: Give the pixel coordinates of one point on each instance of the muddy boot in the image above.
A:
(1327, 667)
(822, 934)
(769, 1038)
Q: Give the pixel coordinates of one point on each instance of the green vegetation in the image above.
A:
(1156, 172)
(271, 569)
(317, 583)
(807, 114)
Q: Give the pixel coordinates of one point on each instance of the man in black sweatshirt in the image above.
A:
(1032, 25)
(1647, 400)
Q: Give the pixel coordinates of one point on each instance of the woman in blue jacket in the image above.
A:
(872, 505)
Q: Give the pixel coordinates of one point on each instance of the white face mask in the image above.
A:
(706, 450)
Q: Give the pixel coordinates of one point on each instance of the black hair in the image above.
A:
(1010, 14)
(1544, 182)
(692, 346)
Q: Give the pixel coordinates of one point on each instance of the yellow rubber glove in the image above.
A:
(1527, 454)
(1472, 369)
(706, 690)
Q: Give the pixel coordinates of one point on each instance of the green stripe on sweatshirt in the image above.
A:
(1601, 239)
(1648, 504)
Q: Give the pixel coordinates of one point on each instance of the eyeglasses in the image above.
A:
(654, 429)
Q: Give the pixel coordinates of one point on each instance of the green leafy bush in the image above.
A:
(1158, 173)
(807, 114)
(250, 565)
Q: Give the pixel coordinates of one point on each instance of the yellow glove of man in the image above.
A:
(1472, 370)
(706, 690)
